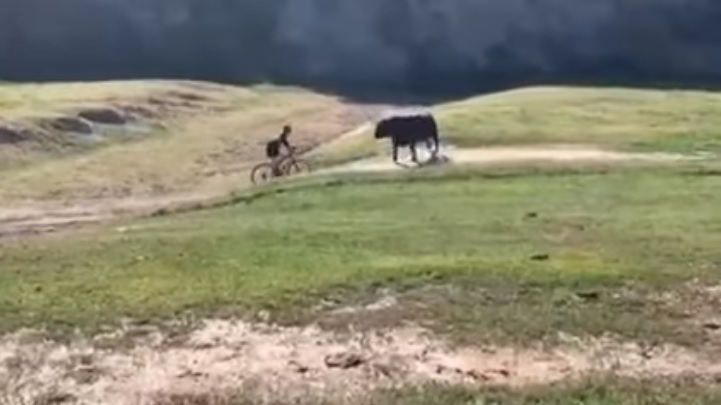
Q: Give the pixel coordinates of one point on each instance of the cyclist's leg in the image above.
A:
(275, 162)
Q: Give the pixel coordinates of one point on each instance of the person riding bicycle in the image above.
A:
(272, 149)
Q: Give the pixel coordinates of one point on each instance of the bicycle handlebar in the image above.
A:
(295, 150)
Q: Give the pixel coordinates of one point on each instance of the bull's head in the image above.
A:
(381, 129)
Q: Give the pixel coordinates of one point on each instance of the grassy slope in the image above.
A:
(30, 106)
(469, 233)
(31, 100)
(224, 131)
(187, 151)
(615, 118)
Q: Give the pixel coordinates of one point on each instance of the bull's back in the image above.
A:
(428, 125)
(424, 127)
(405, 130)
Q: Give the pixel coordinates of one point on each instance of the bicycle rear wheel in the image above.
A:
(261, 173)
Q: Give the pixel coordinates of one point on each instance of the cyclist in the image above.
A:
(272, 149)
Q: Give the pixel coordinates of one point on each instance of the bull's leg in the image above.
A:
(433, 148)
(395, 152)
(414, 155)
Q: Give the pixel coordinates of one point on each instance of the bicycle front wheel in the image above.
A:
(295, 166)
(261, 173)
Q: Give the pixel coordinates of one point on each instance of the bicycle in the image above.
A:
(288, 165)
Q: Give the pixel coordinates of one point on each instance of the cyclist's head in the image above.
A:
(287, 129)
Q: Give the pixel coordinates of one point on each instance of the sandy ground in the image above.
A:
(297, 362)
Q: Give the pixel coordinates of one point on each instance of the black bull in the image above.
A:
(408, 131)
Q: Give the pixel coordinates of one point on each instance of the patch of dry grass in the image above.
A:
(353, 146)
(20, 100)
(47, 121)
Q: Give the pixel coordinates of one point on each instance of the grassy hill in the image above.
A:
(612, 118)
(685, 121)
(524, 256)
(172, 135)
(60, 119)
(133, 138)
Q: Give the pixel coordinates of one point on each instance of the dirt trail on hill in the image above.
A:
(36, 217)
(46, 217)
(519, 154)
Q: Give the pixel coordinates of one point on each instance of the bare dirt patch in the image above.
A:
(295, 362)
(107, 116)
(39, 219)
(137, 111)
(194, 97)
(177, 103)
(11, 134)
(67, 124)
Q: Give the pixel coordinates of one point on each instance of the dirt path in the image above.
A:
(540, 153)
(42, 218)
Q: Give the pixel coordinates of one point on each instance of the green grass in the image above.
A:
(684, 121)
(612, 392)
(591, 392)
(643, 230)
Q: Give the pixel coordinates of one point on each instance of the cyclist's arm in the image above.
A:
(288, 148)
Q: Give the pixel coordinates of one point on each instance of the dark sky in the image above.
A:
(369, 45)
